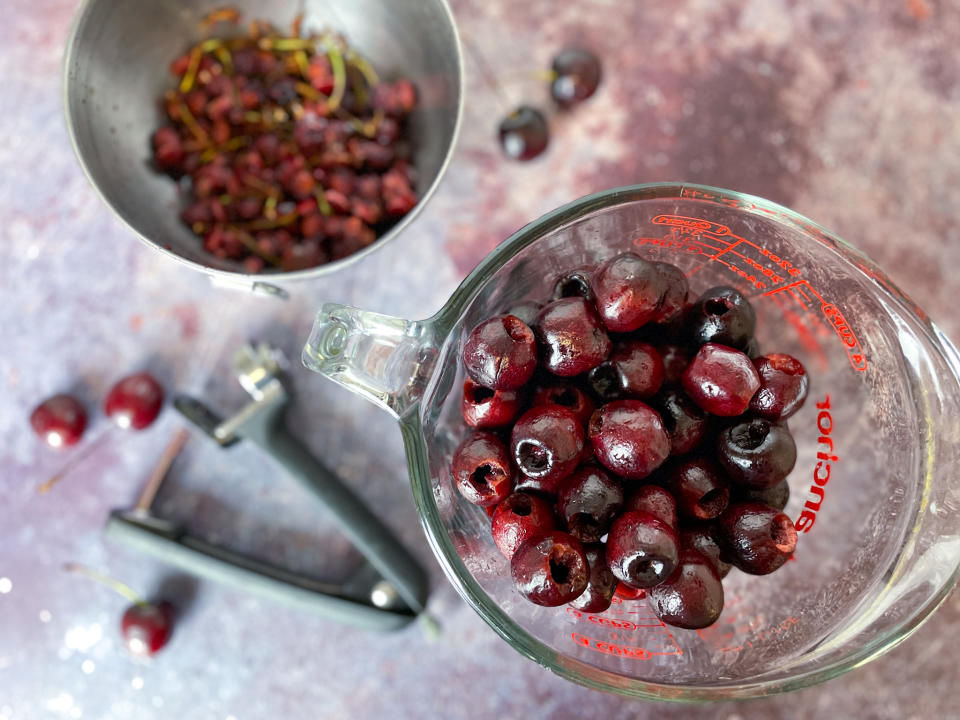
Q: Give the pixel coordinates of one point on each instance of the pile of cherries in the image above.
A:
(294, 149)
(630, 441)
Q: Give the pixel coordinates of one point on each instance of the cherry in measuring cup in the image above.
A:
(647, 454)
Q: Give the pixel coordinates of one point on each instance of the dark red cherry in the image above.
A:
(628, 438)
(550, 569)
(601, 585)
(692, 597)
(500, 353)
(481, 469)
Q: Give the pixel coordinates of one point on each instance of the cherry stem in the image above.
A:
(72, 463)
(115, 585)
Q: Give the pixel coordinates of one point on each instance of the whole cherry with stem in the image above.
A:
(146, 626)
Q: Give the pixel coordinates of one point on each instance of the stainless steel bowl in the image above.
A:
(116, 69)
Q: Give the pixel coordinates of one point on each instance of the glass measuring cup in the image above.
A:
(873, 493)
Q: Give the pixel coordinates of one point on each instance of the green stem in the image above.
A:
(115, 585)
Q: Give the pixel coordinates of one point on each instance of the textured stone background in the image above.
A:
(846, 110)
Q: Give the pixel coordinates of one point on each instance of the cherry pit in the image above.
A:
(628, 439)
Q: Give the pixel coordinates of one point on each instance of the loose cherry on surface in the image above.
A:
(135, 401)
(576, 75)
(147, 627)
(59, 421)
(524, 133)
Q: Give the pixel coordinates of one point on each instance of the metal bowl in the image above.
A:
(116, 70)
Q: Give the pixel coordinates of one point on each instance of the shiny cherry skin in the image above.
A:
(692, 597)
(629, 438)
(684, 421)
(701, 538)
(756, 452)
(722, 315)
(588, 501)
(633, 370)
(571, 336)
(550, 569)
(500, 353)
(674, 300)
(483, 408)
(756, 538)
(629, 292)
(481, 469)
(656, 500)
(546, 443)
(701, 490)
(675, 360)
(524, 133)
(642, 551)
(569, 396)
(777, 496)
(59, 421)
(784, 385)
(721, 380)
(518, 518)
(135, 401)
(602, 584)
(147, 627)
(576, 74)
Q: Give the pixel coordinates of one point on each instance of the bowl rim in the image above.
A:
(525, 643)
(261, 282)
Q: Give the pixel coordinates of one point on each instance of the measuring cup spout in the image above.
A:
(387, 360)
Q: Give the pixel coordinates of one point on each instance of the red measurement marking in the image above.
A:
(608, 648)
(654, 625)
(686, 235)
(835, 319)
(692, 224)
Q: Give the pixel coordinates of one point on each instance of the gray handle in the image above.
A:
(364, 529)
(165, 542)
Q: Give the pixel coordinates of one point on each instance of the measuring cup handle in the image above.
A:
(387, 360)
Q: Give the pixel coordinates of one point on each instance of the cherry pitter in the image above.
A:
(388, 591)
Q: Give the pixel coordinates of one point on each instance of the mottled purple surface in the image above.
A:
(847, 111)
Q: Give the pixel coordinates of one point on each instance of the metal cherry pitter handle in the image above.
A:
(386, 593)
